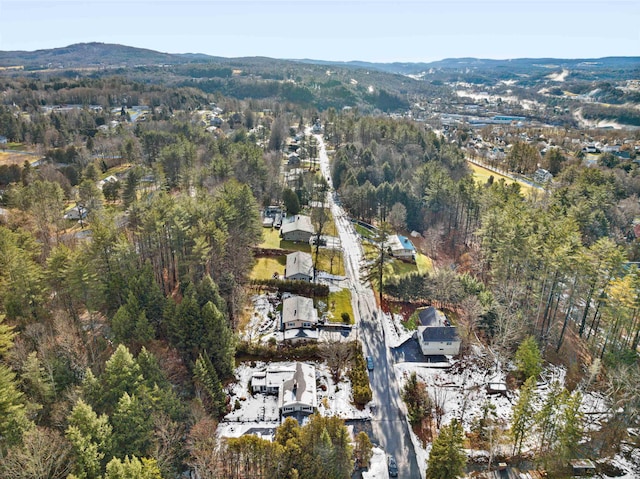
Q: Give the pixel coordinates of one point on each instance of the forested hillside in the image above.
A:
(130, 216)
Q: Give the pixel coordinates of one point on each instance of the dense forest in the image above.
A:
(115, 351)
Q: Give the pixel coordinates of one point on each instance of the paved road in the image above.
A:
(389, 425)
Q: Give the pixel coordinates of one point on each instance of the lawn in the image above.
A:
(265, 267)
(324, 262)
(340, 302)
(482, 176)
(271, 240)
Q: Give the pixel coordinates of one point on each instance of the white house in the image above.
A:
(76, 213)
(294, 383)
(435, 335)
(401, 247)
(299, 319)
(300, 229)
(298, 394)
(299, 266)
(437, 340)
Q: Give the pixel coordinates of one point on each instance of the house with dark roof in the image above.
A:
(435, 335)
(299, 266)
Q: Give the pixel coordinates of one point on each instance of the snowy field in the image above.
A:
(260, 411)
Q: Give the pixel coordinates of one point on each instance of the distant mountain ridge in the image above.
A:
(107, 54)
(96, 54)
(410, 68)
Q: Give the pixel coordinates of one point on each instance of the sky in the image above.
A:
(336, 30)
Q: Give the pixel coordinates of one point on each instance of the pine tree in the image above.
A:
(528, 359)
(12, 412)
(121, 375)
(363, 450)
(572, 428)
(206, 379)
(132, 426)
(447, 459)
(133, 468)
(417, 398)
(523, 414)
(90, 436)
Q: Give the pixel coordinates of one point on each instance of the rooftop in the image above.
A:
(438, 333)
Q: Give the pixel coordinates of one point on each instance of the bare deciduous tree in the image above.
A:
(43, 454)
(337, 354)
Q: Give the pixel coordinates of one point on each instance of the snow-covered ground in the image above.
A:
(260, 411)
(378, 466)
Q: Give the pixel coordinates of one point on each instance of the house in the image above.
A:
(293, 383)
(293, 160)
(317, 127)
(298, 394)
(299, 319)
(401, 247)
(300, 229)
(108, 179)
(435, 335)
(542, 176)
(582, 467)
(299, 266)
(76, 213)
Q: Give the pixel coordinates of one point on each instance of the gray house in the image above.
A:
(299, 230)
(299, 266)
(299, 319)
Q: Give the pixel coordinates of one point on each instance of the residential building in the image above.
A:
(294, 383)
(299, 319)
(299, 230)
(299, 266)
(401, 247)
(435, 334)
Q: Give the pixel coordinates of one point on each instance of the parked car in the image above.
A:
(369, 363)
(393, 466)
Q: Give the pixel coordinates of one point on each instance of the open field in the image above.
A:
(482, 176)
(9, 157)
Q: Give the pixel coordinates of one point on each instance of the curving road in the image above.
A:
(389, 423)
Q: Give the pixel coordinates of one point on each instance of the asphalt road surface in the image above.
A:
(389, 424)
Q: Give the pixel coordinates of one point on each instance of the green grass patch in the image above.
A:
(364, 232)
(271, 240)
(424, 263)
(115, 170)
(398, 268)
(412, 323)
(325, 264)
(340, 302)
(265, 267)
(482, 176)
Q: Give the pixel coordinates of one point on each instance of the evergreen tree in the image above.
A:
(523, 414)
(206, 379)
(91, 438)
(447, 459)
(121, 375)
(12, 412)
(133, 468)
(528, 359)
(132, 426)
(572, 428)
(363, 449)
(415, 395)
